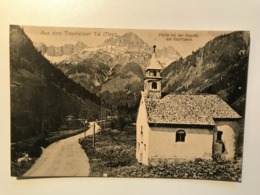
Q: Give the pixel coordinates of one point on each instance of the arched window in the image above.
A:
(154, 85)
(180, 136)
(219, 140)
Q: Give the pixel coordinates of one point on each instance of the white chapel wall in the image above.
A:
(198, 143)
(142, 148)
(229, 137)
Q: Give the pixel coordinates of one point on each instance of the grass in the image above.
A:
(197, 169)
(113, 149)
(58, 135)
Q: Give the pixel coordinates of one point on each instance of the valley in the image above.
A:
(106, 69)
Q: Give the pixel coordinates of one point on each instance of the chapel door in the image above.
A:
(141, 157)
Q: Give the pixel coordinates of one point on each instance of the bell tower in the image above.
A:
(153, 79)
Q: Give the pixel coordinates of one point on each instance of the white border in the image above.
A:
(164, 14)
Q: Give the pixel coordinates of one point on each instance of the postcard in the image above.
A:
(139, 103)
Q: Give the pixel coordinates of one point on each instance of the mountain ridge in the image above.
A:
(220, 67)
(66, 49)
(40, 93)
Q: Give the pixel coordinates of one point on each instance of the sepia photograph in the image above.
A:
(138, 103)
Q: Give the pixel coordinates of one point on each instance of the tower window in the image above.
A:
(154, 85)
(180, 136)
(152, 73)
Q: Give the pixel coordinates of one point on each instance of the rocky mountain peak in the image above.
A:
(131, 36)
(66, 49)
(129, 40)
(79, 46)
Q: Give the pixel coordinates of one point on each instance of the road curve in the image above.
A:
(63, 158)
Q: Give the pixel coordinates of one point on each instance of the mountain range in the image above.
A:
(67, 49)
(94, 66)
(114, 69)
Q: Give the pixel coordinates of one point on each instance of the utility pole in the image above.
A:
(94, 135)
(101, 117)
(105, 120)
(84, 128)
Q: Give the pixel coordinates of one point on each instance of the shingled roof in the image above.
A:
(188, 109)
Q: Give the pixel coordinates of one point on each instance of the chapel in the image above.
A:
(179, 127)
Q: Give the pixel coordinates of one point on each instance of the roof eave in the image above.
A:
(152, 124)
(228, 119)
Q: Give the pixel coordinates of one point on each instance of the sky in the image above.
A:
(184, 41)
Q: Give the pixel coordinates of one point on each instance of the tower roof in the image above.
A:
(154, 63)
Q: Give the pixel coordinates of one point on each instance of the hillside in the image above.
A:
(41, 95)
(124, 89)
(220, 67)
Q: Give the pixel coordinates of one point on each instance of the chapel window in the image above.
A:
(154, 85)
(219, 136)
(180, 136)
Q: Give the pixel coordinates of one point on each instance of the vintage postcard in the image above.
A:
(127, 102)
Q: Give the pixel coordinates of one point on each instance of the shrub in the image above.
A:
(122, 122)
(113, 124)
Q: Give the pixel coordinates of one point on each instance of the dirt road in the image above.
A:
(63, 158)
